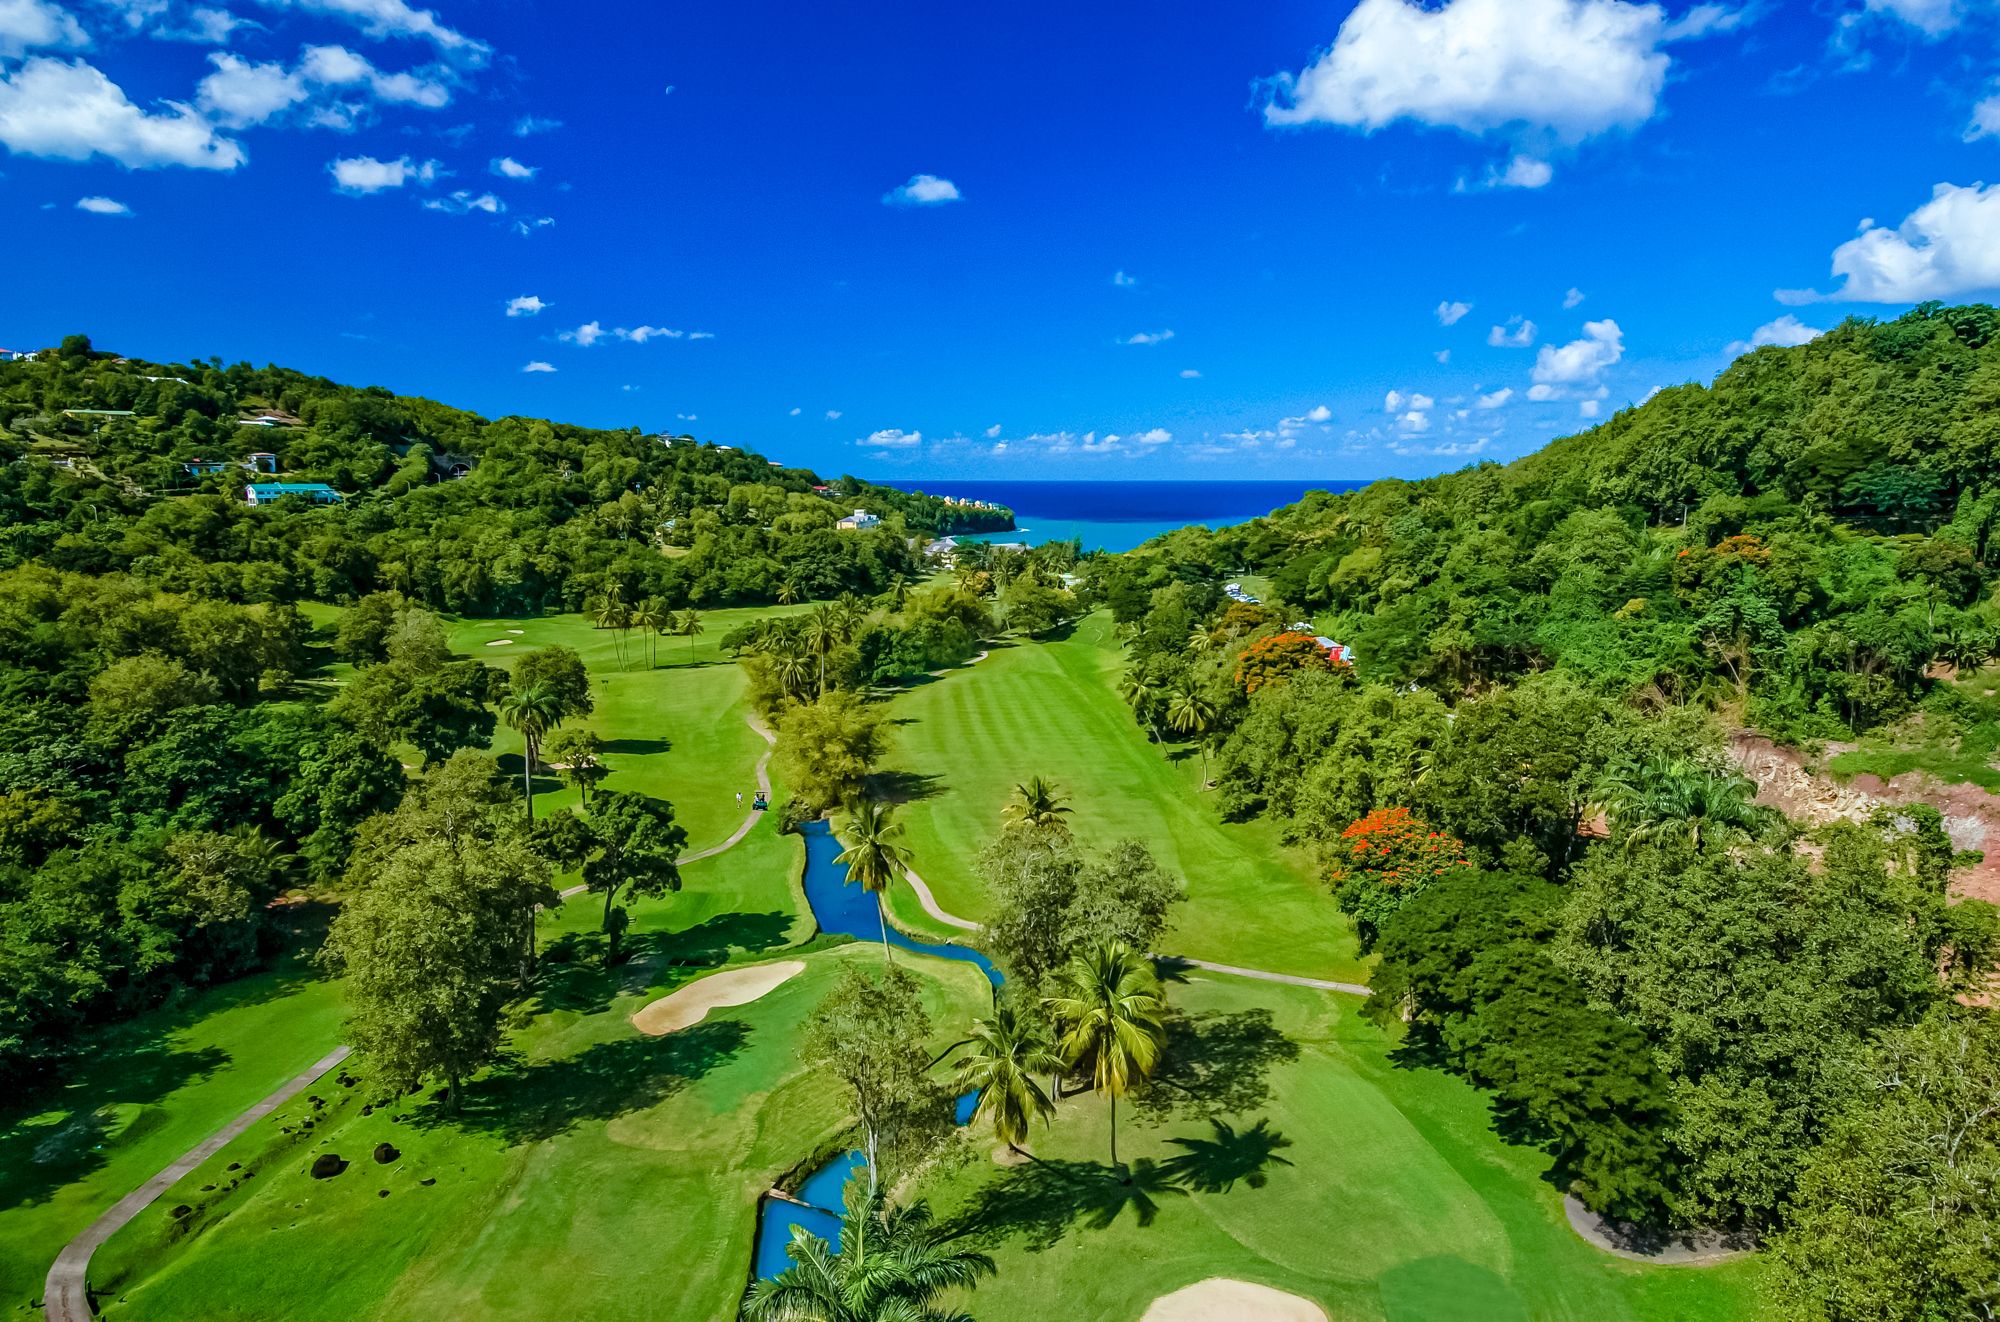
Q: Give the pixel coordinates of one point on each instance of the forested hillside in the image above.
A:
(1517, 781)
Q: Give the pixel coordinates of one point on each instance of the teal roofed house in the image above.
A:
(263, 493)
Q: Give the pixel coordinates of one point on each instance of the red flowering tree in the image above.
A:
(1383, 860)
(1279, 657)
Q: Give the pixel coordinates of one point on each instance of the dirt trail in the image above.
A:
(1787, 780)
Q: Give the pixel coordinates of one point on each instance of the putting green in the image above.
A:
(1299, 1157)
(962, 742)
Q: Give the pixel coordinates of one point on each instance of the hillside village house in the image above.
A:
(859, 521)
(265, 493)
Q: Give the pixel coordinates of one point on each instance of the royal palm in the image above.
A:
(1109, 1011)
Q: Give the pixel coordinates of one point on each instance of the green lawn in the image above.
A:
(137, 1097)
(961, 743)
(1379, 1192)
(601, 1173)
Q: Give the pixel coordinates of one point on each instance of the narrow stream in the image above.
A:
(848, 910)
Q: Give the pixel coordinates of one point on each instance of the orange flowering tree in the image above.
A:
(1279, 657)
(1384, 859)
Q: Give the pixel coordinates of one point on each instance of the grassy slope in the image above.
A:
(676, 731)
(1397, 1203)
(606, 1174)
(1052, 708)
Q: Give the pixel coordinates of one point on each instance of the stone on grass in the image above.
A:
(327, 1165)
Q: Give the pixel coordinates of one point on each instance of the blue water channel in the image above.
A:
(848, 910)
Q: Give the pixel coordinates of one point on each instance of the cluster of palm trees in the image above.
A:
(1188, 710)
(1663, 799)
(648, 618)
(798, 645)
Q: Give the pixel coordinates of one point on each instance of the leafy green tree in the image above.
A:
(561, 672)
(892, 1265)
(1386, 859)
(874, 856)
(581, 754)
(1050, 901)
(1007, 1053)
(870, 1035)
(1110, 1015)
(827, 748)
(635, 851)
(131, 698)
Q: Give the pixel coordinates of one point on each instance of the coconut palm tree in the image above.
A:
(690, 627)
(1110, 1020)
(534, 711)
(789, 593)
(873, 857)
(650, 621)
(1037, 806)
(1681, 796)
(891, 1266)
(1192, 714)
(822, 634)
(1143, 698)
(1004, 1056)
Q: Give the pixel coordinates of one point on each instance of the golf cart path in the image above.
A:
(66, 1294)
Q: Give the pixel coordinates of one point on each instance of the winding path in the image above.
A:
(66, 1295)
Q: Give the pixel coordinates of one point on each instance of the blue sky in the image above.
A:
(1170, 239)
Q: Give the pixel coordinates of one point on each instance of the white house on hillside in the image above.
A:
(859, 521)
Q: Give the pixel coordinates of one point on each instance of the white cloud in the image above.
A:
(102, 206)
(1450, 313)
(365, 174)
(1443, 356)
(1152, 436)
(1422, 402)
(892, 438)
(922, 190)
(1122, 280)
(462, 202)
(529, 125)
(1190, 374)
(1518, 333)
(593, 332)
(527, 305)
(240, 93)
(509, 168)
(993, 432)
(1497, 399)
(1564, 70)
(1414, 423)
(1947, 248)
(1444, 448)
(393, 18)
(833, 415)
(526, 227)
(585, 335)
(1931, 17)
(71, 111)
(795, 412)
(1392, 401)
(1588, 408)
(1148, 337)
(1319, 413)
(1985, 122)
(1580, 362)
(1574, 298)
(207, 27)
(1521, 172)
(539, 366)
(1787, 330)
(28, 24)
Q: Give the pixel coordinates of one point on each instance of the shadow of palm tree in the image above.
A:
(905, 786)
(1215, 1064)
(1041, 1201)
(531, 1102)
(1215, 1165)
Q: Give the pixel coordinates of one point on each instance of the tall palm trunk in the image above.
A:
(1114, 1138)
(882, 917)
(528, 776)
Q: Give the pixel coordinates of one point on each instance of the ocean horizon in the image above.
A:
(1119, 515)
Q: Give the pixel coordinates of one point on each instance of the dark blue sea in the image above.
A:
(1117, 516)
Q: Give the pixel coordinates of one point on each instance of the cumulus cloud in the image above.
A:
(1122, 280)
(526, 227)
(1985, 121)
(1443, 356)
(463, 202)
(102, 206)
(509, 168)
(1521, 172)
(1148, 337)
(239, 93)
(527, 126)
(1549, 71)
(1580, 362)
(1497, 399)
(922, 190)
(593, 332)
(539, 366)
(1572, 299)
(1933, 18)
(1947, 248)
(393, 18)
(207, 27)
(1190, 374)
(26, 25)
(1518, 333)
(365, 174)
(527, 305)
(71, 111)
(1450, 313)
(1588, 408)
(1318, 413)
(1787, 330)
(833, 415)
(892, 438)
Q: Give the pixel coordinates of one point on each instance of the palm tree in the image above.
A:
(690, 627)
(1190, 713)
(898, 594)
(534, 711)
(891, 1266)
(651, 622)
(822, 635)
(788, 592)
(1037, 806)
(1141, 697)
(1006, 1053)
(1110, 1015)
(874, 858)
(1199, 641)
(1667, 797)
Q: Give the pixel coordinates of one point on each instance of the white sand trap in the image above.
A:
(1219, 1299)
(691, 1004)
(501, 642)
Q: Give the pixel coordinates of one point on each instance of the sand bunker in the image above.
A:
(1219, 1299)
(691, 1004)
(517, 632)
(501, 642)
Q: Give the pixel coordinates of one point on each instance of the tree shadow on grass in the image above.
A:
(1213, 1065)
(1038, 1203)
(531, 1102)
(905, 786)
(573, 974)
(1216, 1164)
(638, 746)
